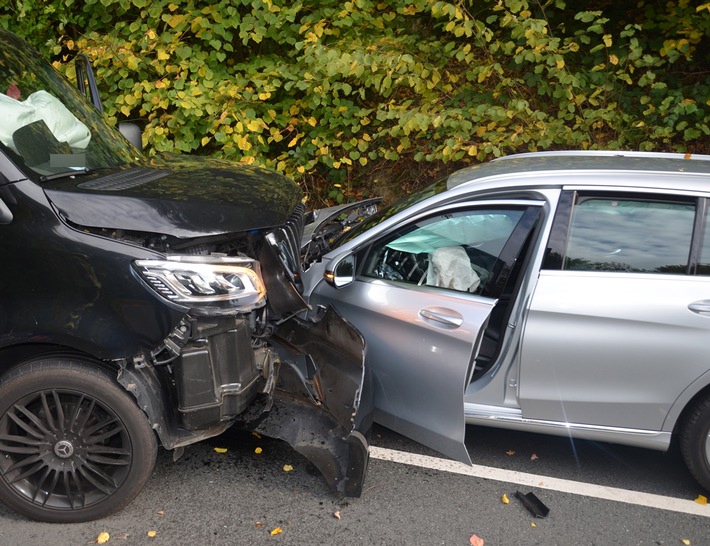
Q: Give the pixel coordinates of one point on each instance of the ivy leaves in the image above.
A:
(331, 92)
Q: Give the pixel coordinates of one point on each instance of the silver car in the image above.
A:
(566, 293)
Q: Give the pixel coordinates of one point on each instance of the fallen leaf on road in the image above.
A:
(259, 524)
(152, 534)
(161, 512)
(336, 514)
(475, 540)
(288, 468)
(504, 499)
(534, 457)
(103, 538)
(702, 499)
(277, 531)
(533, 524)
(256, 435)
(510, 452)
(258, 450)
(686, 542)
(221, 449)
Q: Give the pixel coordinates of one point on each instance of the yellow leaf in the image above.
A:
(151, 34)
(613, 59)
(686, 542)
(288, 468)
(256, 435)
(560, 63)
(312, 121)
(205, 140)
(504, 499)
(162, 55)
(258, 450)
(607, 40)
(702, 499)
(533, 525)
(152, 534)
(265, 95)
(277, 531)
(293, 142)
(221, 449)
(103, 538)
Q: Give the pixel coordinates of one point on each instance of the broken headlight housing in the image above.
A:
(207, 285)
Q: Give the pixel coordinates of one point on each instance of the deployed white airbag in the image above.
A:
(450, 267)
(41, 106)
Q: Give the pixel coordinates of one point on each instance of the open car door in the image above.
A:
(421, 293)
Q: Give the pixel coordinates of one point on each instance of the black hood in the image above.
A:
(183, 197)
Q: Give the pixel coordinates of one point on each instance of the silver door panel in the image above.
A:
(612, 349)
(419, 346)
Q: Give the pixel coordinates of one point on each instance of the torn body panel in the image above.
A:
(322, 401)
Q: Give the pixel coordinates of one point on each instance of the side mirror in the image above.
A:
(341, 271)
(132, 133)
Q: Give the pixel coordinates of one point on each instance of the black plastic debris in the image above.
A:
(534, 505)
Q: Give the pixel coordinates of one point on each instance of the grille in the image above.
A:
(288, 241)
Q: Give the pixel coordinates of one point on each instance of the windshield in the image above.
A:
(46, 126)
(391, 210)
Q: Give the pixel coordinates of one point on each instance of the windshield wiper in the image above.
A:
(69, 174)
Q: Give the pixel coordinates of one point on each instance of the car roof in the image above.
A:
(618, 163)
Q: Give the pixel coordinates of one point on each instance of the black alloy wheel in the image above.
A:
(74, 446)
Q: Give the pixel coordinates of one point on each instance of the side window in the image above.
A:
(633, 235)
(456, 250)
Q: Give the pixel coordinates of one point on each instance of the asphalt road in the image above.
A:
(241, 497)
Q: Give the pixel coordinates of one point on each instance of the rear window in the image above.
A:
(645, 236)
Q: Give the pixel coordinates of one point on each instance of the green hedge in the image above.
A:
(361, 97)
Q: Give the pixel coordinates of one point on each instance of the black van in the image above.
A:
(147, 301)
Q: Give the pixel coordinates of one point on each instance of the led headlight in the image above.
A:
(205, 284)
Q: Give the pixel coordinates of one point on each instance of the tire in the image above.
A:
(74, 446)
(695, 442)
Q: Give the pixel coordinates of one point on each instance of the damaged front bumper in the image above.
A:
(322, 400)
(308, 387)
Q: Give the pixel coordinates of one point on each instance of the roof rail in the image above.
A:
(607, 153)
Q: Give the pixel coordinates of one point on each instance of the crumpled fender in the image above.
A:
(322, 401)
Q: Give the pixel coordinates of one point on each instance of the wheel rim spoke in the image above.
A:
(41, 430)
(87, 470)
(40, 483)
(73, 420)
(26, 445)
(48, 417)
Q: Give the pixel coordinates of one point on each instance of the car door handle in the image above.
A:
(442, 315)
(701, 306)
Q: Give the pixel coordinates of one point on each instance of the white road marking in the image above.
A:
(543, 482)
